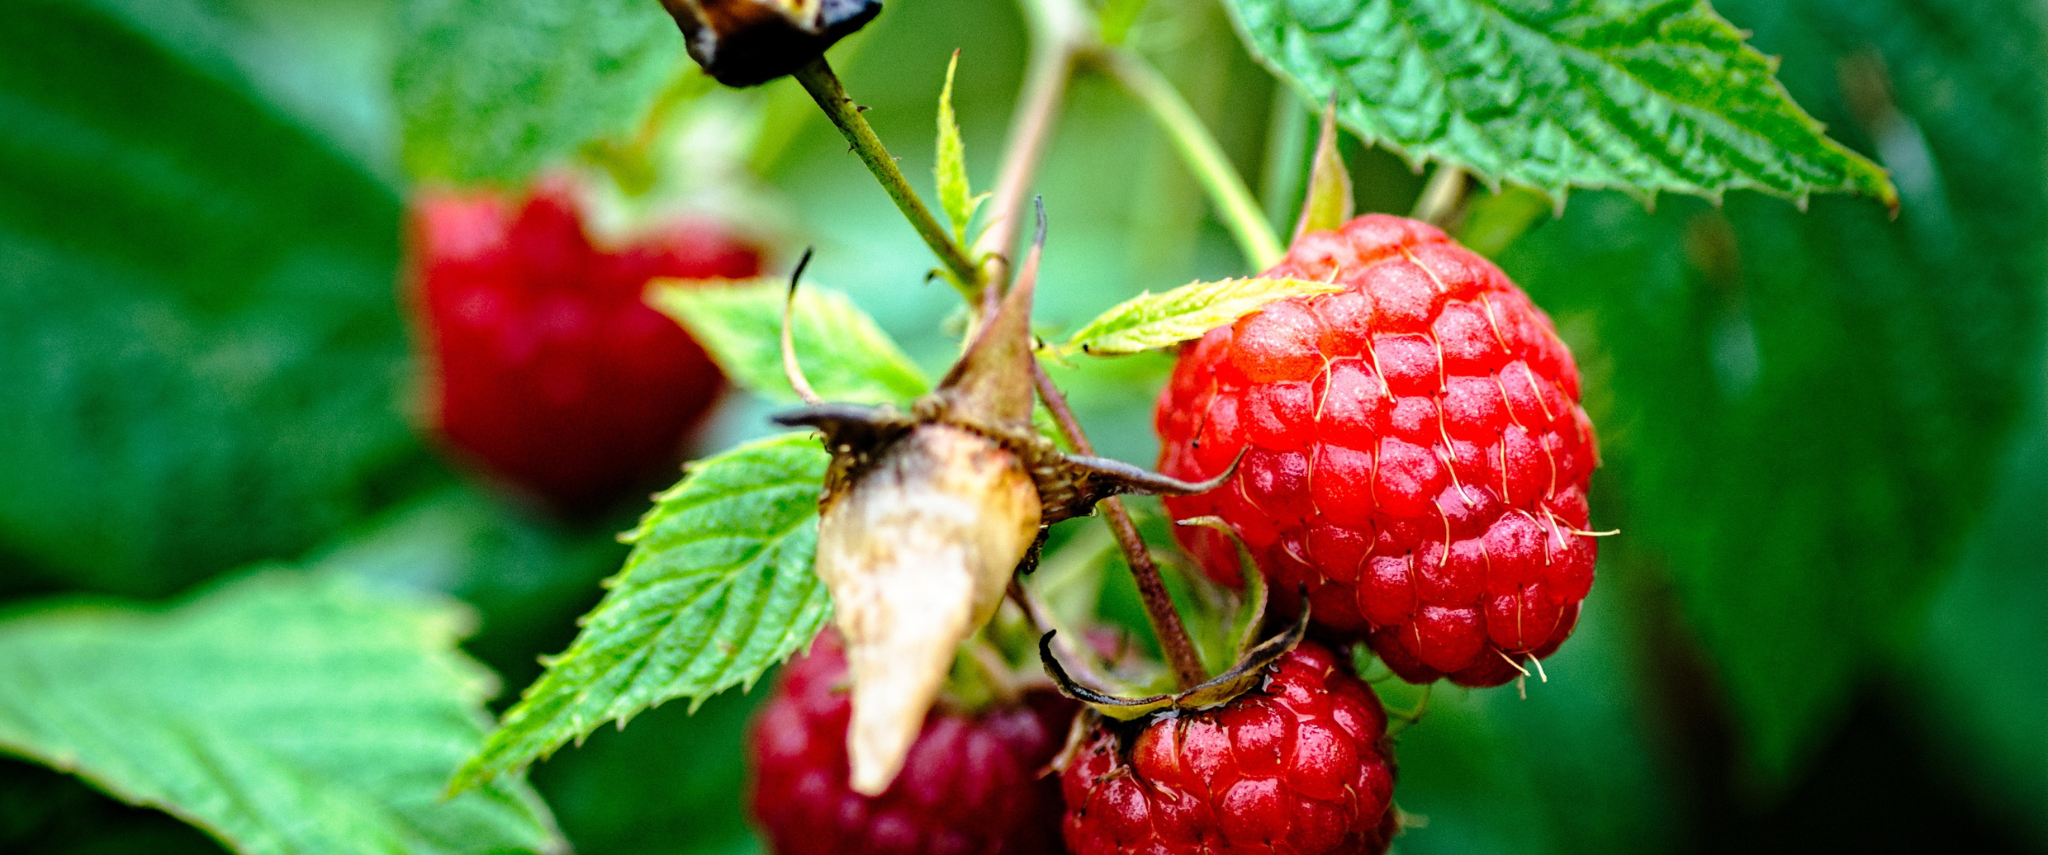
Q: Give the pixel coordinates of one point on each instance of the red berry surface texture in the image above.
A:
(974, 783)
(547, 368)
(1415, 456)
(1299, 766)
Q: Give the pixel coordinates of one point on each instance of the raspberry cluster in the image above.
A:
(974, 784)
(548, 368)
(1415, 455)
(1299, 767)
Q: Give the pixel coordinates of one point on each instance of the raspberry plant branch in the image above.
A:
(1204, 156)
(825, 88)
(1059, 31)
(1159, 610)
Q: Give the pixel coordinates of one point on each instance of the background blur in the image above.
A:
(1825, 622)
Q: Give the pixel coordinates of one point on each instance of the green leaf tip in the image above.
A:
(1152, 321)
(1328, 202)
(950, 168)
(1635, 96)
(281, 711)
(718, 589)
(844, 353)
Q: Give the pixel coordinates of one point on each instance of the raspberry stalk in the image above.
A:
(1159, 610)
(825, 88)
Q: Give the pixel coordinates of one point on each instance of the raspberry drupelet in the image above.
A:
(547, 368)
(974, 783)
(1300, 766)
(1416, 458)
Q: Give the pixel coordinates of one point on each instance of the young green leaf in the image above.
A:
(719, 587)
(1150, 321)
(843, 353)
(951, 167)
(1638, 95)
(1328, 203)
(282, 712)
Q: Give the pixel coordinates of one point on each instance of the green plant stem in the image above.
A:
(1286, 168)
(1234, 203)
(1159, 609)
(1440, 197)
(825, 88)
(1059, 30)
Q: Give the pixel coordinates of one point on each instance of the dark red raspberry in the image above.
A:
(1416, 457)
(1299, 766)
(548, 368)
(973, 783)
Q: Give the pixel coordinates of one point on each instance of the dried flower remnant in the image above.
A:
(750, 42)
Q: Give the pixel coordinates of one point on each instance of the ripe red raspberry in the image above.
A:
(1416, 456)
(1299, 766)
(973, 783)
(548, 368)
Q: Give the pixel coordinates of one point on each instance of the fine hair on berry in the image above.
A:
(1415, 456)
(975, 782)
(1298, 766)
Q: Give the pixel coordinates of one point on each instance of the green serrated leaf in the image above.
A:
(951, 167)
(1150, 321)
(718, 589)
(199, 346)
(496, 89)
(1853, 374)
(844, 354)
(1646, 96)
(283, 712)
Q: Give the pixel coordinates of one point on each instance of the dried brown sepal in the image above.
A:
(750, 42)
(990, 385)
(1249, 671)
(854, 434)
(1071, 484)
(927, 516)
(917, 549)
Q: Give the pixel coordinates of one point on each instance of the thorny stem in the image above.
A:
(1233, 200)
(1159, 610)
(825, 88)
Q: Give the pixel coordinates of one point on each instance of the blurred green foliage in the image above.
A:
(200, 355)
(283, 712)
(1825, 433)
(492, 91)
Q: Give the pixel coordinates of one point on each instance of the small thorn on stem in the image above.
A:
(790, 367)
